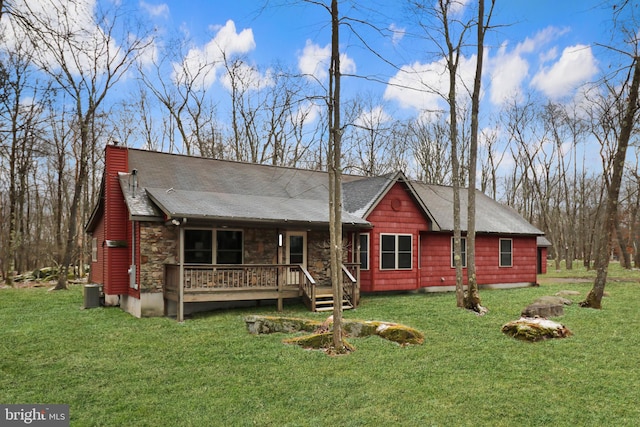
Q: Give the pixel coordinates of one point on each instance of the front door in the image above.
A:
(296, 254)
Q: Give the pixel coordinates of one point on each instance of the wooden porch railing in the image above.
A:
(308, 288)
(241, 276)
(252, 281)
(350, 288)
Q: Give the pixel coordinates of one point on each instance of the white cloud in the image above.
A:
(205, 62)
(314, 61)
(397, 33)
(155, 10)
(575, 66)
(307, 113)
(248, 77)
(373, 118)
(424, 86)
(150, 54)
(458, 6)
(83, 49)
(549, 55)
(507, 72)
(509, 69)
(540, 39)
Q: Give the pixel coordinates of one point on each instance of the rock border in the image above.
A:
(321, 336)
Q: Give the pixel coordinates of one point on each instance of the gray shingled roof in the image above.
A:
(361, 193)
(137, 200)
(491, 217)
(194, 187)
(543, 242)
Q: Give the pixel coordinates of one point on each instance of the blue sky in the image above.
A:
(544, 49)
(541, 46)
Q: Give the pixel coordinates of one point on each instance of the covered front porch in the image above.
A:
(184, 284)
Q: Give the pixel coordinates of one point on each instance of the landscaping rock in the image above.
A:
(535, 329)
(543, 309)
(567, 293)
(400, 334)
(546, 306)
(553, 300)
(272, 324)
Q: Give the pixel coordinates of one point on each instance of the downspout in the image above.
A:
(133, 276)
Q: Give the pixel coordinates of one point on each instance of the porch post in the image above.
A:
(356, 291)
(280, 276)
(181, 290)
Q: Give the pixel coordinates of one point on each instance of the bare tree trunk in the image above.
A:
(335, 181)
(70, 242)
(624, 255)
(594, 297)
(472, 298)
(453, 57)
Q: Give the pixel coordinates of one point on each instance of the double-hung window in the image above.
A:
(396, 251)
(506, 253)
(463, 252)
(205, 246)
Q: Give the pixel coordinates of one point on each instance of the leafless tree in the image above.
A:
(429, 140)
(619, 120)
(472, 298)
(180, 87)
(20, 148)
(335, 178)
(374, 142)
(85, 62)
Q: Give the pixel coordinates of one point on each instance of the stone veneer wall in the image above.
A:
(319, 256)
(260, 246)
(159, 245)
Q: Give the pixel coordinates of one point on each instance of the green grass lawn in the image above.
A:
(113, 369)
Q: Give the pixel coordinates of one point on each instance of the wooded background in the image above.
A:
(57, 114)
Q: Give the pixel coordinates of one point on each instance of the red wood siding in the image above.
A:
(117, 224)
(396, 213)
(436, 260)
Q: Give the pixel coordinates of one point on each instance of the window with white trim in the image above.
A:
(463, 252)
(94, 249)
(396, 251)
(199, 246)
(506, 253)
